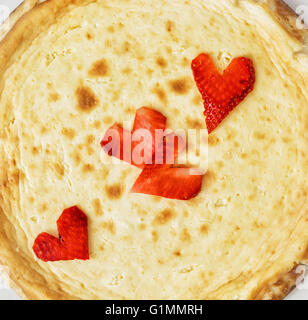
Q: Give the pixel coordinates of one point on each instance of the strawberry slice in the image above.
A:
(156, 157)
(148, 120)
(222, 92)
(167, 151)
(136, 148)
(171, 183)
(117, 143)
(72, 242)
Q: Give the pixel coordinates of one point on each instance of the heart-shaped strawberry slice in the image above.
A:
(222, 92)
(119, 143)
(159, 177)
(72, 242)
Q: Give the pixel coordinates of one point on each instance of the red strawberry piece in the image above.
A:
(222, 92)
(117, 143)
(149, 120)
(167, 150)
(136, 148)
(72, 242)
(172, 183)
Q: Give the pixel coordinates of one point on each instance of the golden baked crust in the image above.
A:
(287, 18)
(279, 287)
(36, 280)
(15, 15)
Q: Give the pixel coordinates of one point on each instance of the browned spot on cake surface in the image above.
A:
(286, 140)
(170, 26)
(97, 124)
(185, 235)
(139, 209)
(185, 62)
(15, 177)
(177, 253)
(204, 229)
(86, 98)
(97, 207)
(68, 132)
(231, 134)
(169, 50)
(127, 70)
(154, 236)
(103, 173)
(180, 86)
(130, 110)
(59, 167)
(53, 97)
(111, 29)
(114, 192)
(163, 217)
(44, 130)
(161, 62)
(99, 69)
(125, 173)
(197, 100)
(126, 47)
(259, 135)
(89, 36)
(77, 157)
(35, 151)
(90, 139)
(244, 155)
(149, 72)
(43, 207)
(213, 140)
(116, 95)
(210, 175)
(87, 168)
(194, 123)
(160, 93)
(142, 226)
(110, 226)
(107, 119)
(90, 151)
